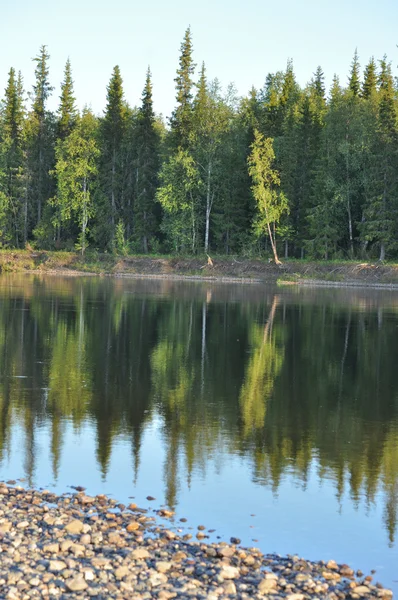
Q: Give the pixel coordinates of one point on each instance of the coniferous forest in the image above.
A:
(297, 172)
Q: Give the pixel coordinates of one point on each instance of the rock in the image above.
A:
(74, 527)
(170, 535)
(5, 526)
(229, 588)
(76, 584)
(57, 565)
(163, 512)
(150, 498)
(157, 579)
(133, 526)
(65, 545)
(121, 572)
(332, 565)
(228, 572)
(51, 548)
(361, 590)
(235, 540)
(140, 554)
(86, 500)
(266, 585)
(295, 597)
(384, 593)
(89, 575)
(163, 566)
(85, 539)
(226, 551)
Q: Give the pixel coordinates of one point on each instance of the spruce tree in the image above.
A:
(181, 119)
(13, 160)
(318, 83)
(67, 111)
(354, 83)
(41, 128)
(111, 161)
(369, 87)
(380, 224)
(147, 142)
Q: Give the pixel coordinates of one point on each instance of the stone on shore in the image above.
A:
(79, 546)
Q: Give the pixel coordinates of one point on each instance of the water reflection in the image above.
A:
(282, 379)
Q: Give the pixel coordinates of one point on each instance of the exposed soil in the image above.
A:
(220, 268)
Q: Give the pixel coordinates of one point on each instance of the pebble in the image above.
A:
(79, 546)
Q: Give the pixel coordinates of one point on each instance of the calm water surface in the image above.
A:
(267, 414)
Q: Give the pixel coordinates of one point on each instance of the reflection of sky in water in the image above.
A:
(307, 520)
(232, 400)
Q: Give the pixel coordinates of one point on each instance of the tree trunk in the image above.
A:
(384, 209)
(273, 245)
(208, 207)
(84, 217)
(113, 199)
(348, 200)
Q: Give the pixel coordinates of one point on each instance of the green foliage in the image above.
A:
(67, 110)
(75, 171)
(147, 163)
(181, 119)
(121, 246)
(186, 188)
(177, 195)
(271, 203)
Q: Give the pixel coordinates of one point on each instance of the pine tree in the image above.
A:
(67, 111)
(181, 119)
(147, 141)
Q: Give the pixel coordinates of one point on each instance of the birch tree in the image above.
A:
(75, 171)
(271, 203)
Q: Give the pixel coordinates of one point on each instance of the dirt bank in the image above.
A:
(220, 268)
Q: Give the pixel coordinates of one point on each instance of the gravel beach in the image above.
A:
(78, 546)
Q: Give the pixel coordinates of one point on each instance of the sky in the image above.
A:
(240, 41)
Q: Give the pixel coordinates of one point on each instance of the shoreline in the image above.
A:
(79, 546)
(220, 270)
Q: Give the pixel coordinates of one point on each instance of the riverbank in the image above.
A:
(218, 268)
(77, 546)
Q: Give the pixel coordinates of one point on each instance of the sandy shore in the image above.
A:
(77, 546)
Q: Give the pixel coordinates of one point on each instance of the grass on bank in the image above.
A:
(291, 271)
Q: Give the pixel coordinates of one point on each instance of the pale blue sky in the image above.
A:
(240, 41)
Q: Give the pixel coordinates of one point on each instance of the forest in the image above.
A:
(299, 171)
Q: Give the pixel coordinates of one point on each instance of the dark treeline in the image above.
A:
(128, 182)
